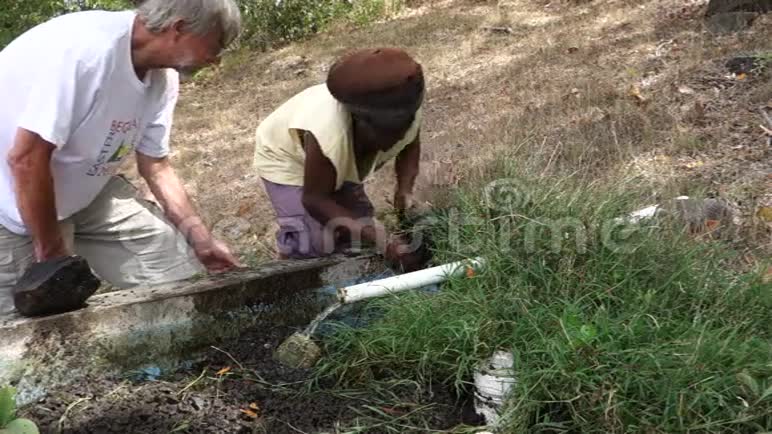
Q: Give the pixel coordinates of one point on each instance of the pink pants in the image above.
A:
(300, 236)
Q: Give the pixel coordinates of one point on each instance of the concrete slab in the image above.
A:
(123, 330)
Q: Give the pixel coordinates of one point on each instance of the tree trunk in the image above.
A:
(727, 6)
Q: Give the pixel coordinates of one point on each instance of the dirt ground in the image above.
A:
(233, 388)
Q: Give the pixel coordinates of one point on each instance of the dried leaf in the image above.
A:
(224, 370)
(712, 224)
(686, 90)
(573, 49)
(249, 413)
(750, 383)
(391, 411)
(699, 110)
(244, 208)
(574, 92)
(765, 213)
(767, 278)
(741, 76)
(470, 272)
(635, 92)
(254, 406)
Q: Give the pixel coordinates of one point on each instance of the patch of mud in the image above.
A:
(242, 390)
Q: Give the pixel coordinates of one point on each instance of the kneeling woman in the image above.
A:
(314, 152)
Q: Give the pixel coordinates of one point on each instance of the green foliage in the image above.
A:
(9, 423)
(18, 16)
(20, 426)
(268, 23)
(7, 405)
(636, 328)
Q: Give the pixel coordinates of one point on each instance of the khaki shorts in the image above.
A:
(126, 240)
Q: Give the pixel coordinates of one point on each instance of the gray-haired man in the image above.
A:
(80, 93)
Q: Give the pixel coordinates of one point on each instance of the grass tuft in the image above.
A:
(614, 327)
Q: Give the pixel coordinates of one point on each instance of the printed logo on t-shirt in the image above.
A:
(120, 141)
(121, 152)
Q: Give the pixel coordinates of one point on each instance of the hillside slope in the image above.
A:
(609, 90)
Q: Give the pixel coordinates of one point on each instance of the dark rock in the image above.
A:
(726, 6)
(197, 403)
(55, 286)
(743, 64)
(730, 22)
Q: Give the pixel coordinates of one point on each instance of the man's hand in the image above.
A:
(216, 256)
(169, 191)
(30, 162)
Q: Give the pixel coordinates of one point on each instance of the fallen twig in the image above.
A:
(767, 129)
(499, 29)
(62, 419)
(192, 383)
(765, 115)
(231, 357)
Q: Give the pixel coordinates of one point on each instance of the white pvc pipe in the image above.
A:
(403, 282)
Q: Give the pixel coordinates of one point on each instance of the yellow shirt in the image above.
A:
(279, 156)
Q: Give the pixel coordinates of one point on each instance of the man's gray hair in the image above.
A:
(200, 16)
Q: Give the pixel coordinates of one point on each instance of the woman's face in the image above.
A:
(380, 131)
(379, 128)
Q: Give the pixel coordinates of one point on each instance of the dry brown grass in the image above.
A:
(555, 90)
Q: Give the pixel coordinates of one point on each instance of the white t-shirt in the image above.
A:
(71, 80)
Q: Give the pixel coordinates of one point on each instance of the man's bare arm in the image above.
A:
(30, 162)
(168, 189)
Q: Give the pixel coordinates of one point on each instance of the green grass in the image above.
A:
(635, 328)
(270, 25)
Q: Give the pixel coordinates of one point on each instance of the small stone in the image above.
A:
(730, 22)
(723, 6)
(197, 402)
(289, 62)
(298, 351)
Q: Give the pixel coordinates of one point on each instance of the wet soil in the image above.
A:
(242, 390)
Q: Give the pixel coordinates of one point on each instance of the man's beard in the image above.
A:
(187, 72)
(186, 68)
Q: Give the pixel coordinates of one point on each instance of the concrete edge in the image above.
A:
(123, 330)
